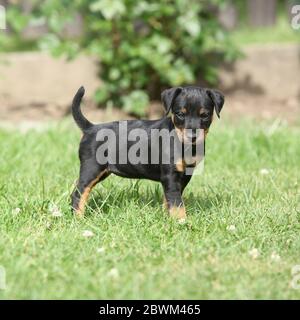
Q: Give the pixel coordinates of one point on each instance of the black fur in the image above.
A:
(198, 105)
(81, 121)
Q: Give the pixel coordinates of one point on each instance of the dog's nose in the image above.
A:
(191, 135)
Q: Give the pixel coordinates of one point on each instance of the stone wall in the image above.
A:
(40, 85)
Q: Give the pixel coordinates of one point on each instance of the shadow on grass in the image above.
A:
(104, 199)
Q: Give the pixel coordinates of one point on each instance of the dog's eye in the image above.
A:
(180, 115)
(205, 117)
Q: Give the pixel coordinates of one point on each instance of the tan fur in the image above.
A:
(177, 212)
(201, 111)
(180, 165)
(193, 161)
(180, 134)
(84, 196)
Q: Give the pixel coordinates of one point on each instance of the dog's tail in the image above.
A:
(79, 118)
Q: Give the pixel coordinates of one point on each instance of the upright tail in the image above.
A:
(79, 118)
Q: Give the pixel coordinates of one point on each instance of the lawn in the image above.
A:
(281, 32)
(241, 239)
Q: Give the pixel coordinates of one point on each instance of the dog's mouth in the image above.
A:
(193, 136)
(192, 141)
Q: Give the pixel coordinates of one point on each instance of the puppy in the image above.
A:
(109, 147)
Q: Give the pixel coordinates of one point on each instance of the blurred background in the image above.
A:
(125, 52)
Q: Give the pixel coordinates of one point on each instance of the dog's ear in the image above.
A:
(168, 97)
(218, 99)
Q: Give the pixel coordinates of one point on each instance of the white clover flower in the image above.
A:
(16, 211)
(254, 253)
(55, 211)
(100, 250)
(48, 225)
(275, 257)
(114, 273)
(113, 244)
(182, 221)
(87, 233)
(264, 171)
(231, 228)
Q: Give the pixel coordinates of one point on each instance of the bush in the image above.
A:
(143, 46)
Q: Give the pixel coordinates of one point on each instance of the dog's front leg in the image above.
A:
(173, 200)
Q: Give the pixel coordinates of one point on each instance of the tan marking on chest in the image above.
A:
(180, 165)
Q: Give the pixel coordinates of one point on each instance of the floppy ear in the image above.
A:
(218, 100)
(168, 97)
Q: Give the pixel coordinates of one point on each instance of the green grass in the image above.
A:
(155, 257)
(281, 32)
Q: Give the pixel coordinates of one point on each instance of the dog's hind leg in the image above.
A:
(90, 175)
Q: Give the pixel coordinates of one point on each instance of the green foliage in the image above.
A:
(143, 46)
(13, 41)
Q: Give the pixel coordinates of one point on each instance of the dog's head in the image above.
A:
(192, 108)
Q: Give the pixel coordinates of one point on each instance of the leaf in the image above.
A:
(101, 94)
(140, 45)
(49, 42)
(191, 23)
(109, 8)
(16, 19)
(136, 102)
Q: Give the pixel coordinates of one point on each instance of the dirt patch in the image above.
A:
(265, 84)
(50, 112)
(262, 108)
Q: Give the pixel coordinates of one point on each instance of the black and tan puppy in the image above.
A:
(192, 109)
